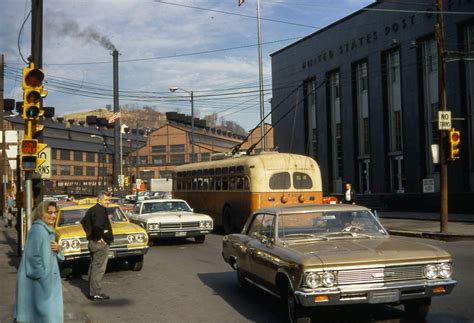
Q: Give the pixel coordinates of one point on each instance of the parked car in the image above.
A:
(171, 218)
(130, 240)
(319, 255)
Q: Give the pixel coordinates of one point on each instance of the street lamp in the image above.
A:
(174, 89)
(104, 147)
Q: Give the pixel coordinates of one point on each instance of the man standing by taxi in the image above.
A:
(96, 224)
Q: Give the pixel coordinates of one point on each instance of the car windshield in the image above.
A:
(74, 216)
(169, 206)
(329, 224)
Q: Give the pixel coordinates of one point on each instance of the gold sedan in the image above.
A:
(320, 255)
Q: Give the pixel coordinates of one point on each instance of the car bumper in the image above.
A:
(113, 253)
(178, 234)
(374, 294)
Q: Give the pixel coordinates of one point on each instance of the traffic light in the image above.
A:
(33, 92)
(30, 158)
(454, 140)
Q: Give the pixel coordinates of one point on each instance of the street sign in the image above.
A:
(121, 180)
(444, 120)
(428, 185)
(45, 168)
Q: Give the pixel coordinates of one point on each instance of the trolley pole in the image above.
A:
(442, 107)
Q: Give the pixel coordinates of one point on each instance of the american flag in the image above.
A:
(114, 117)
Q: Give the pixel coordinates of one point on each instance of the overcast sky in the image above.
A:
(205, 46)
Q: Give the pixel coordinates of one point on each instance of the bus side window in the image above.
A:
(240, 183)
(218, 183)
(232, 183)
(225, 183)
(246, 183)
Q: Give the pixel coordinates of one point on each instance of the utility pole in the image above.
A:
(3, 169)
(443, 166)
(37, 59)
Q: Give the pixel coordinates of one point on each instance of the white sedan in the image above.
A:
(170, 218)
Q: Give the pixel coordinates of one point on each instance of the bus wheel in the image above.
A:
(227, 220)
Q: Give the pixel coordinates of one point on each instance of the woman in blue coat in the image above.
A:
(39, 296)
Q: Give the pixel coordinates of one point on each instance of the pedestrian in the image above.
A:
(98, 228)
(39, 296)
(10, 214)
(349, 194)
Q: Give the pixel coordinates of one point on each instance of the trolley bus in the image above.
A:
(230, 189)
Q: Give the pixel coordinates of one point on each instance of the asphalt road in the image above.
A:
(182, 281)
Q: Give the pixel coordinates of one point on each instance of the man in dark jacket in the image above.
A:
(98, 228)
(349, 195)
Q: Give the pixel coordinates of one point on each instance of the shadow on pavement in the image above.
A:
(258, 306)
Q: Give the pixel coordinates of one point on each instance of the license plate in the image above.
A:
(386, 296)
(180, 234)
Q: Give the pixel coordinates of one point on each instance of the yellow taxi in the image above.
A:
(130, 240)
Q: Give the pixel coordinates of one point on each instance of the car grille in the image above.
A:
(120, 240)
(179, 226)
(380, 275)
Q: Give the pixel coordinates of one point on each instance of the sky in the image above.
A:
(208, 47)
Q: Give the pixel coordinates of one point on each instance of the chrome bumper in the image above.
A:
(375, 293)
(113, 253)
(178, 234)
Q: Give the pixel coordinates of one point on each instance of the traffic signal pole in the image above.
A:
(442, 107)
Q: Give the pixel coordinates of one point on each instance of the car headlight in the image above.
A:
(328, 279)
(209, 224)
(130, 238)
(140, 238)
(445, 270)
(313, 280)
(76, 244)
(64, 244)
(431, 271)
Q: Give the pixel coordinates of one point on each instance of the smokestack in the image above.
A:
(117, 167)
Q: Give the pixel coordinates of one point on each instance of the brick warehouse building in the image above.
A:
(78, 149)
(364, 98)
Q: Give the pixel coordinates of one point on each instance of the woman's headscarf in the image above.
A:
(42, 208)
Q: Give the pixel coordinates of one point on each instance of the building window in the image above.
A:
(65, 154)
(431, 104)
(158, 149)
(177, 159)
(142, 160)
(362, 97)
(159, 160)
(65, 169)
(191, 157)
(90, 171)
(312, 134)
(78, 171)
(54, 153)
(78, 156)
(205, 156)
(177, 148)
(54, 170)
(336, 132)
(90, 157)
(395, 127)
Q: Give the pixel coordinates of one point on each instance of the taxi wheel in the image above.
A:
(200, 239)
(417, 308)
(136, 263)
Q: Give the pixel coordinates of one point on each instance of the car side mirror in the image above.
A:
(192, 210)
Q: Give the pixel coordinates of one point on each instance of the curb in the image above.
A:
(432, 235)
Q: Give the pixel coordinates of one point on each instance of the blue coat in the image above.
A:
(39, 295)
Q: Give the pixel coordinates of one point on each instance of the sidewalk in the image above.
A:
(8, 268)
(428, 225)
